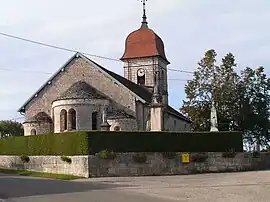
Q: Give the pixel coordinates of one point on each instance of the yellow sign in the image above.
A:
(185, 158)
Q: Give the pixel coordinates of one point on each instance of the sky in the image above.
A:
(187, 27)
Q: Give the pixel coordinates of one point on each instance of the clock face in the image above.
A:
(141, 72)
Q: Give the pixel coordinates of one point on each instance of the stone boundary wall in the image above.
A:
(156, 164)
(149, 164)
(48, 164)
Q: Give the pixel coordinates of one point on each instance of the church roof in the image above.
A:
(118, 114)
(144, 42)
(138, 91)
(40, 117)
(81, 90)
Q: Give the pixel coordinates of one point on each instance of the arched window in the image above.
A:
(141, 80)
(63, 120)
(72, 119)
(94, 120)
(117, 128)
(33, 132)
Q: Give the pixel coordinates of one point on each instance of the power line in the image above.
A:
(55, 47)
(75, 51)
(48, 73)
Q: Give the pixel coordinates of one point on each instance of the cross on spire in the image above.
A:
(144, 22)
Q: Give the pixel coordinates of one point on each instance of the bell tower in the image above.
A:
(144, 56)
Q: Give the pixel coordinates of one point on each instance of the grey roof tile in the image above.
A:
(81, 90)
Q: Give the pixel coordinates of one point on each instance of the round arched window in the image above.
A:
(117, 128)
(33, 132)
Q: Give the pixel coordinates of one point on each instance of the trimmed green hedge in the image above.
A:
(51, 144)
(122, 141)
(83, 143)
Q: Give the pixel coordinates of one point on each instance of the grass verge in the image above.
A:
(38, 174)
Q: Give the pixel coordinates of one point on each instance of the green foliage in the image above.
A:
(242, 100)
(52, 144)
(10, 128)
(169, 155)
(255, 102)
(139, 157)
(229, 154)
(66, 159)
(105, 154)
(24, 158)
(199, 157)
(84, 143)
(199, 92)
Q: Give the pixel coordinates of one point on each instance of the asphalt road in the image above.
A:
(223, 187)
(26, 189)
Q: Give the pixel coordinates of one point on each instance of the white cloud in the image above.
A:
(188, 28)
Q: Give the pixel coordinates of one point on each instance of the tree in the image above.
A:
(255, 106)
(242, 101)
(213, 82)
(11, 128)
(199, 93)
(227, 95)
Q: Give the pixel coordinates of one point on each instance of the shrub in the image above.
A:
(139, 157)
(229, 154)
(66, 159)
(24, 158)
(169, 155)
(104, 154)
(199, 157)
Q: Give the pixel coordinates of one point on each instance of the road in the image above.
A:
(27, 189)
(223, 187)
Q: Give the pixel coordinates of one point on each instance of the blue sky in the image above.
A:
(187, 27)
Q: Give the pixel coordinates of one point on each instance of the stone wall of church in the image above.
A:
(142, 115)
(132, 66)
(40, 128)
(124, 124)
(80, 70)
(83, 108)
(149, 64)
(173, 123)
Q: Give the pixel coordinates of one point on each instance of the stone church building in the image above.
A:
(82, 95)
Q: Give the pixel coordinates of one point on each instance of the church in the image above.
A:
(83, 95)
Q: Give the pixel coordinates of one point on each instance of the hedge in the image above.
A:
(122, 141)
(84, 143)
(51, 144)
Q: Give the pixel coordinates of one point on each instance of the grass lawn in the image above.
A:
(37, 174)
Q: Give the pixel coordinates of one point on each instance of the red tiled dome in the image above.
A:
(144, 42)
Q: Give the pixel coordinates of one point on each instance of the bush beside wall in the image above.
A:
(84, 143)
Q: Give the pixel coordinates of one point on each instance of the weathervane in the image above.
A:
(144, 22)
